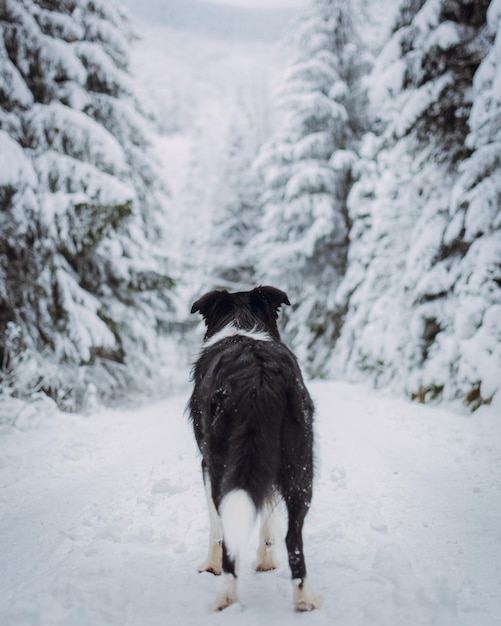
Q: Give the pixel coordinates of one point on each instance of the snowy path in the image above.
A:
(103, 520)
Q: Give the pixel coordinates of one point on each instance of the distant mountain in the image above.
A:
(215, 20)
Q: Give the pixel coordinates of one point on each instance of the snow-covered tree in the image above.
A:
(84, 284)
(423, 272)
(306, 169)
(220, 196)
(237, 212)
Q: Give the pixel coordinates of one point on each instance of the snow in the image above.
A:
(417, 103)
(15, 167)
(104, 519)
(428, 17)
(445, 36)
(11, 81)
(77, 135)
(103, 516)
(86, 330)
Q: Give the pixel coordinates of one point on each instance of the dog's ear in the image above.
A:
(208, 302)
(271, 297)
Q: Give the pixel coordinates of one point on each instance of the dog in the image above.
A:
(253, 422)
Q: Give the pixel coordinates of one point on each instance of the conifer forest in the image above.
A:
(356, 165)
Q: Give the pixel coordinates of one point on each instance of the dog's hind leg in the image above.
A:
(228, 594)
(305, 599)
(238, 514)
(213, 563)
(266, 559)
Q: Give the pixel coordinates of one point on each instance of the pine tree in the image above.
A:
(220, 197)
(236, 211)
(306, 170)
(471, 242)
(421, 284)
(83, 279)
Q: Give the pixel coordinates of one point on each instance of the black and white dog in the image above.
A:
(252, 416)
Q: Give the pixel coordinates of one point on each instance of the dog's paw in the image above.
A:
(265, 558)
(223, 603)
(265, 562)
(265, 567)
(227, 594)
(305, 599)
(214, 562)
(210, 569)
(304, 606)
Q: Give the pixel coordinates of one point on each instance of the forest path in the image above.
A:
(103, 520)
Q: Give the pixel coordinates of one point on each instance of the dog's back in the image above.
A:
(253, 414)
(252, 417)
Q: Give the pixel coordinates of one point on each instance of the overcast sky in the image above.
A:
(264, 3)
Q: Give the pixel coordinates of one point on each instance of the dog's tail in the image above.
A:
(247, 448)
(238, 515)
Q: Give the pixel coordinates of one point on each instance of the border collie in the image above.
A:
(252, 417)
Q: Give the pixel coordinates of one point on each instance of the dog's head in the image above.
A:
(247, 310)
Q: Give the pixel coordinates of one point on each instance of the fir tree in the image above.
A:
(83, 280)
(421, 279)
(306, 170)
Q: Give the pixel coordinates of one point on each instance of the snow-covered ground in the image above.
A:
(103, 519)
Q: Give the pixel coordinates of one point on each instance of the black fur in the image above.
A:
(251, 412)
(248, 310)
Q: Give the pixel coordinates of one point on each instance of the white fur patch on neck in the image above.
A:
(231, 330)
